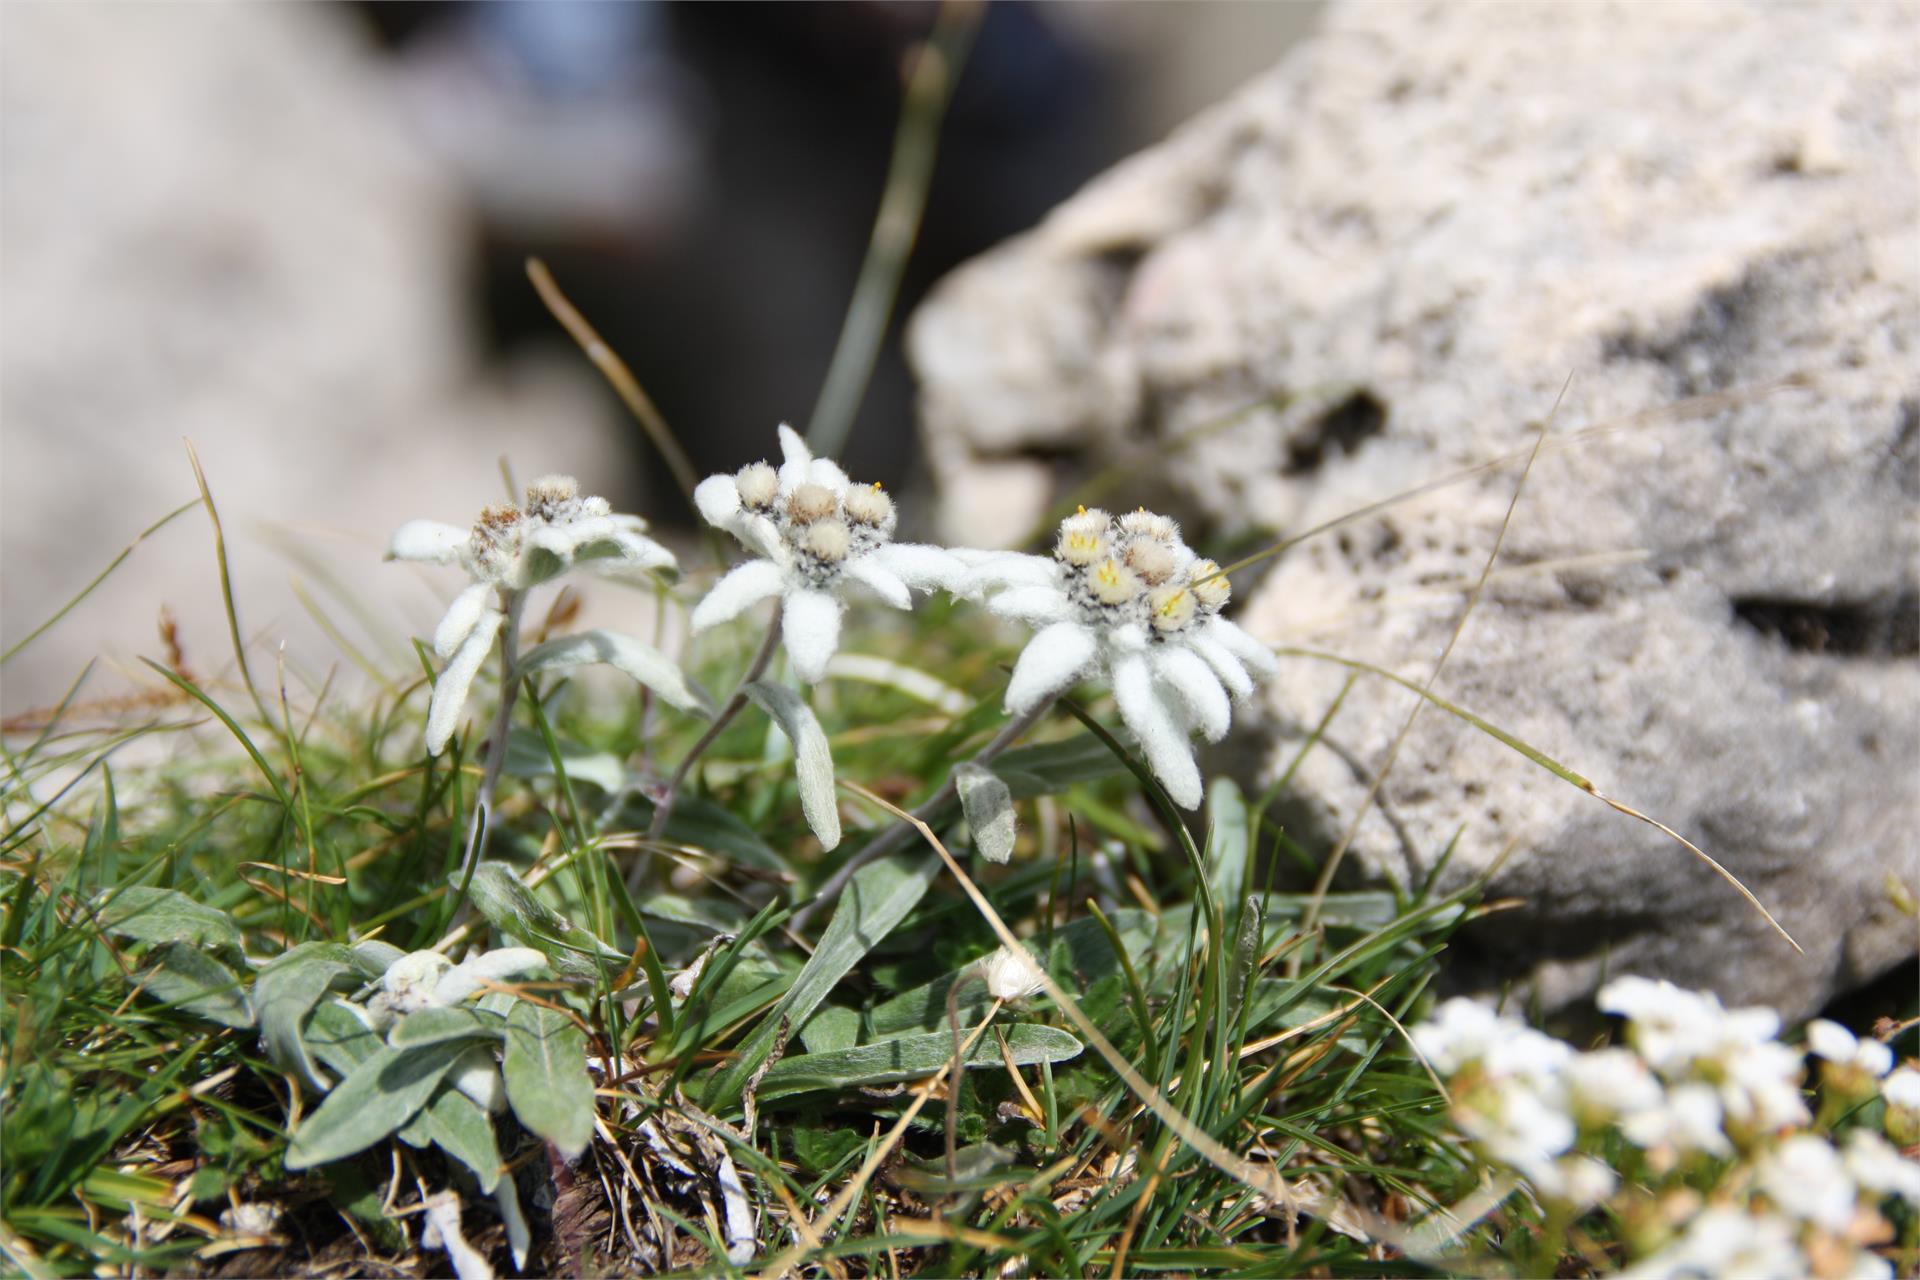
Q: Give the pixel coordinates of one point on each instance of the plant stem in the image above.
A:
(513, 602)
(663, 808)
(901, 832)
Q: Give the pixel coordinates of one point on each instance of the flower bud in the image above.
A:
(1152, 559)
(759, 485)
(1142, 523)
(828, 540)
(810, 502)
(1170, 608)
(1113, 583)
(549, 496)
(868, 504)
(1210, 586)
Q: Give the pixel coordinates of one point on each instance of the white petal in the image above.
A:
(472, 973)
(827, 473)
(1052, 660)
(476, 1074)
(1224, 664)
(718, 499)
(759, 533)
(796, 469)
(450, 690)
(428, 540)
(642, 552)
(919, 565)
(1035, 606)
(1258, 658)
(1196, 689)
(744, 587)
(811, 622)
(882, 582)
(1007, 569)
(1168, 752)
(460, 618)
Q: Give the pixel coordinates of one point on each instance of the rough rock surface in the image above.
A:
(215, 229)
(1375, 267)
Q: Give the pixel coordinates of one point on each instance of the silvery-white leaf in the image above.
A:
(988, 806)
(443, 1221)
(286, 991)
(545, 1066)
(199, 984)
(813, 762)
(512, 908)
(146, 913)
(642, 661)
(376, 1098)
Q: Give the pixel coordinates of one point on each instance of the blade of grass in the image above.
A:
(936, 69)
(226, 584)
(100, 577)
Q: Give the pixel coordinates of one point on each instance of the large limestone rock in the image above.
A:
(1373, 268)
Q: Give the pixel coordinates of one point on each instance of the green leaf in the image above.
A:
(437, 1026)
(834, 1027)
(379, 1096)
(875, 900)
(546, 1073)
(338, 1036)
(199, 984)
(1051, 767)
(909, 1057)
(527, 757)
(1227, 844)
(512, 908)
(988, 806)
(460, 1127)
(813, 762)
(286, 991)
(146, 913)
(643, 662)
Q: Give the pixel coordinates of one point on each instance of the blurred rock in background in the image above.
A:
(1378, 265)
(296, 234)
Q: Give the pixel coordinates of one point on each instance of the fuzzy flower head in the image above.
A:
(428, 980)
(1127, 598)
(510, 549)
(816, 534)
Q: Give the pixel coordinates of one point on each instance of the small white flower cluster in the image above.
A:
(428, 980)
(1700, 1083)
(1128, 598)
(508, 550)
(817, 534)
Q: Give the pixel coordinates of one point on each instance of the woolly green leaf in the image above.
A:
(909, 1057)
(286, 991)
(339, 1036)
(438, 1025)
(988, 806)
(375, 1099)
(512, 908)
(545, 1066)
(196, 982)
(145, 913)
(813, 762)
(643, 662)
(460, 1127)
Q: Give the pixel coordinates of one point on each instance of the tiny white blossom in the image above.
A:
(1011, 974)
(1805, 1178)
(1689, 1034)
(1464, 1033)
(816, 535)
(1688, 1119)
(1582, 1181)
(1128, 599)
(428, 980)
(510, 549)
(1838, 1045)
(1725, 1242)
(1610, 1085)
(1877, 1166)
(1902, 1089)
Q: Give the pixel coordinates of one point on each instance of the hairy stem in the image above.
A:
(512, 602)
(901, 832)
(663, 808)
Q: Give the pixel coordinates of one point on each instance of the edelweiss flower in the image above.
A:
(428, 980)
(510, 549)
(1127, 597)
(816, 534)
(1011, 974)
